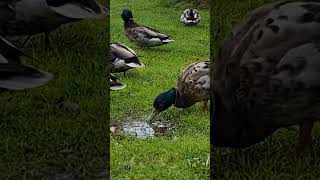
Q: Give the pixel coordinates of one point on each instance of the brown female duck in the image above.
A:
(267, 75)
(192, 86)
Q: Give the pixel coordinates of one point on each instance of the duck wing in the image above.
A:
(15, 76)
(112, 57)
(18, 77)
(78, 9)
(148, 33)
(122, 51)
(271, 41)
(265, 33)
(193, 84)
(125, 53)
(299, 71)
(159, 34)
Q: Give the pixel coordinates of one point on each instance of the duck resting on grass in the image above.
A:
(30, 17)
(267, 76)
(192, 86)
(190, 17)
(122, 58)
(114, 84)
(13, 74)
(143, 36)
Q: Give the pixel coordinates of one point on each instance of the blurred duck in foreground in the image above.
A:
(192, 86)
(264, 79)
(13, 74)
(190, 17)
(122, 58)
(141, 35)
(29, 17)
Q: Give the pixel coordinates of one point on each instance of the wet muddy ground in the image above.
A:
(141, 127)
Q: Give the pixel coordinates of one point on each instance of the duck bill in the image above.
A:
(153, 115)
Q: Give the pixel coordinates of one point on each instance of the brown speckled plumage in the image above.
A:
(267, 74)
(193, 84)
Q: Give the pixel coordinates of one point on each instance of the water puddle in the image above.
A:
(142, 128)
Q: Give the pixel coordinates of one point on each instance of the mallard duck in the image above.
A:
(190, 17)
(122, 58)
(192, 86)
(29, 17)
(265, 79)
(16, 76)
(143, 36)
(114, 85)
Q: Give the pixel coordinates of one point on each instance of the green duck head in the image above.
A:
(163, 102)
(126, 15)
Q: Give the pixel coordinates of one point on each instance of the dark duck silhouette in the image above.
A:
(30, 17)
(143, 36)
(17, 76)
(267, 76)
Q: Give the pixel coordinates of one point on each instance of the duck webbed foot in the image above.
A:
(304, 139)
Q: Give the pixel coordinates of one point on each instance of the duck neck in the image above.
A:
(171, 96)
(130, 24)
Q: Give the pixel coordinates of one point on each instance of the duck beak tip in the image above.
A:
(153, 115)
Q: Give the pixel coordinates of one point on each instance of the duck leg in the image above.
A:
(46, 40)
(208, 161)
(304, 138)
(205, 105)
(25, 41)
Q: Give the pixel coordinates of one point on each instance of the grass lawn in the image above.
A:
(59, 129)
(182, 153)
(269, 159)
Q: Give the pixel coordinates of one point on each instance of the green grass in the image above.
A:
(199, 4)
(165, 157)
(269, 159)
(39, 137)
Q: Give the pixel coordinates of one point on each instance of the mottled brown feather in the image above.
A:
(267, 72)
(193, 84)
